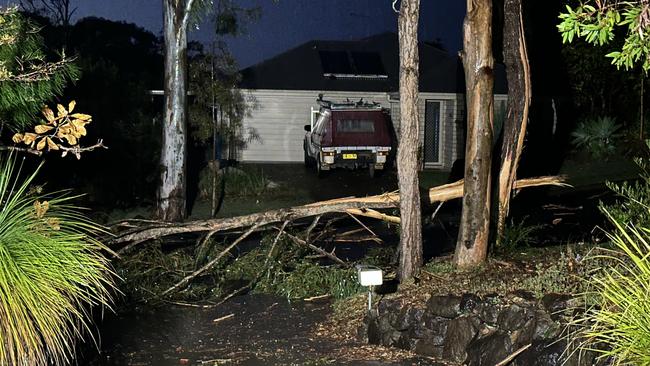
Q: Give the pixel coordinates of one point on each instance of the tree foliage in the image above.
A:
(27, 78)
(599, 22)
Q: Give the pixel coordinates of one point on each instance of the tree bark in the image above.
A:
(407, 152)
(519, 95)
(172, 192)
(471, 248)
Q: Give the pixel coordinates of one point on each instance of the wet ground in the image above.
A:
(249, 330)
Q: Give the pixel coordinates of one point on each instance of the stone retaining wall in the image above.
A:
(477, 330)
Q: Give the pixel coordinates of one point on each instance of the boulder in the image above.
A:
(490, 350)
(444, 306)
(460, 332)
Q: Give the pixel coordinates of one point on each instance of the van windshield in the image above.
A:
(355, 125)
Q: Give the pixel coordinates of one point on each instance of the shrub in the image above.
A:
(617, 322)
(235, 182)
(516, 235)
(633, 207)
(51, 273)
(597, 135)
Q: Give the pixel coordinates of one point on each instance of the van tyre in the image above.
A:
(308, 161)
(320, 173)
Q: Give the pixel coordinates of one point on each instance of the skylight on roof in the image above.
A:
(345, 64)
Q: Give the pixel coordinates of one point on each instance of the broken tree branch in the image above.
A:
(321, 251)
(210, 264)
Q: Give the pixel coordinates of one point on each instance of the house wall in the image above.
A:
(278, 118)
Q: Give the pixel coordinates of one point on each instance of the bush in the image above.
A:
(597, 135)
(235, 182)
(617, 322)
(635, 198)
(52, 272)
(516, 235)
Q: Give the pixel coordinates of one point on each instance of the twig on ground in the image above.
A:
(200, 306)
(319, 297)
(225, 317)
(513, 355)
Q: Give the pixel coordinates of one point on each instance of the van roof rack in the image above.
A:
(348, 104)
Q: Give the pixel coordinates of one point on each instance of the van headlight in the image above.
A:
(328, 157)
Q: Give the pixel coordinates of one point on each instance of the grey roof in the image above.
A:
(300, 69)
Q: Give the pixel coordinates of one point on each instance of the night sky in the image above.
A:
(288, 23)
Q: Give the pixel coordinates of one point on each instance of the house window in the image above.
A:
(432, 131)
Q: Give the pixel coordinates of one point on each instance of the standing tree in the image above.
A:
(172, 190)
(407, 153)
(471, 249)
(178, 14)
(59, 11)
(519, 95)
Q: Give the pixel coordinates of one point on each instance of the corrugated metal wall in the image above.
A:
(279, 117)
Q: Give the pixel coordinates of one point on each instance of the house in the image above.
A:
(284, 90)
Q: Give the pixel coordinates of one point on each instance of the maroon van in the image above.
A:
(349, 135)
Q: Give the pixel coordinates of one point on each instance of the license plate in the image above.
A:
(349, 156)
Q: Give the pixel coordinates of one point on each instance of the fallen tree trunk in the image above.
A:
(351, 204)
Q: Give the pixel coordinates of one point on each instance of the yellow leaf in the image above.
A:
(29, 138)
(41, 144)
(61, 110)
(49, 115)
(51, 145)
(54, 223)
(17, 138)
(71, 106)
(41, 208)
(42, 128)
(79, 129)
(81, 116)
(72, 140)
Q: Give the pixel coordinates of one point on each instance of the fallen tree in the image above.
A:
(353, 206)
(363, 206)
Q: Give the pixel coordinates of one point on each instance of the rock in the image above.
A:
(545, 327)
(444, 306)
(488, 309)
(489, 350)
(514, 317)
(469, 302)
(554, 303)
(460, 332)
(427, 347)
(522, 297)
(381, 332)
(524, 335)
(543, 353)
(485, 330)
(406, 318)
(431, 328)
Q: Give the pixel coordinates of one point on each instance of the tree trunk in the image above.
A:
(471, 248)
(171, 193)
(407, 153)
(519, 94)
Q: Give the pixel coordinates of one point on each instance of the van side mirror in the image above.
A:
(308, 128)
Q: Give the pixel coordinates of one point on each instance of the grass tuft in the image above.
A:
(52, 272)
